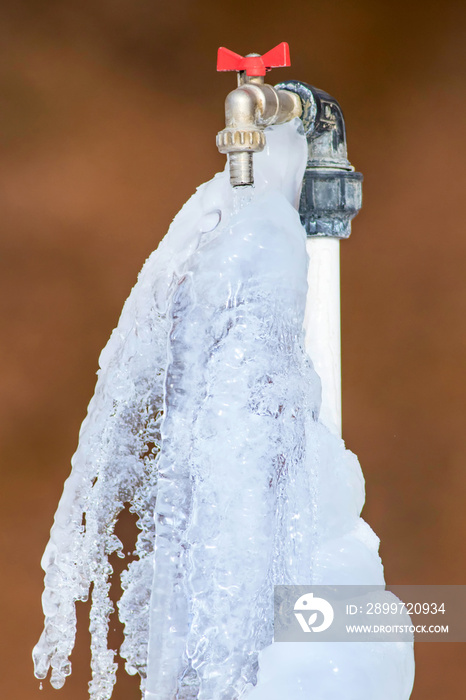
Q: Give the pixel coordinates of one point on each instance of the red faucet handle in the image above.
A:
(277, 57)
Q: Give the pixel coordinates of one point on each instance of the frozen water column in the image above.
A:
(330, 198)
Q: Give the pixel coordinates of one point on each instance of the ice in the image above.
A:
(115, 463)
(334, 671)
(205, 420)
(230, 443)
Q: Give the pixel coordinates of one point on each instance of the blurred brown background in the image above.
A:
(108, 116)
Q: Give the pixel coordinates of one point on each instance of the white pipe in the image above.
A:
(322, 324)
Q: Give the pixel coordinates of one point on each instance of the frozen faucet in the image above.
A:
(331, 194)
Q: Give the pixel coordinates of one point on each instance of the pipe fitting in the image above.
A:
(331, 195)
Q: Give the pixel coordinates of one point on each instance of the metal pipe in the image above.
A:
(322, 324)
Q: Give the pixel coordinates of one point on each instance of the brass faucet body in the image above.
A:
(248, 110)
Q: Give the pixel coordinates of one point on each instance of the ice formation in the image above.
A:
(205, 419)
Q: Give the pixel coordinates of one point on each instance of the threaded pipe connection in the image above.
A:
(241, 172)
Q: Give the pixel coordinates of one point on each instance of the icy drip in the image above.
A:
(252, 454)
(230, 442)
(115, 463)
(242, 196)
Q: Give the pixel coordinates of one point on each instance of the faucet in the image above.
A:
(251, 107)
(331, 192)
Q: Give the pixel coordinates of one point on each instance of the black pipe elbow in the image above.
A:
(331, 194)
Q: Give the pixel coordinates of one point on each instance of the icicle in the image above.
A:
(115, 463)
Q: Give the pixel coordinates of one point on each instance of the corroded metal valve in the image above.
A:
(331, 195)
